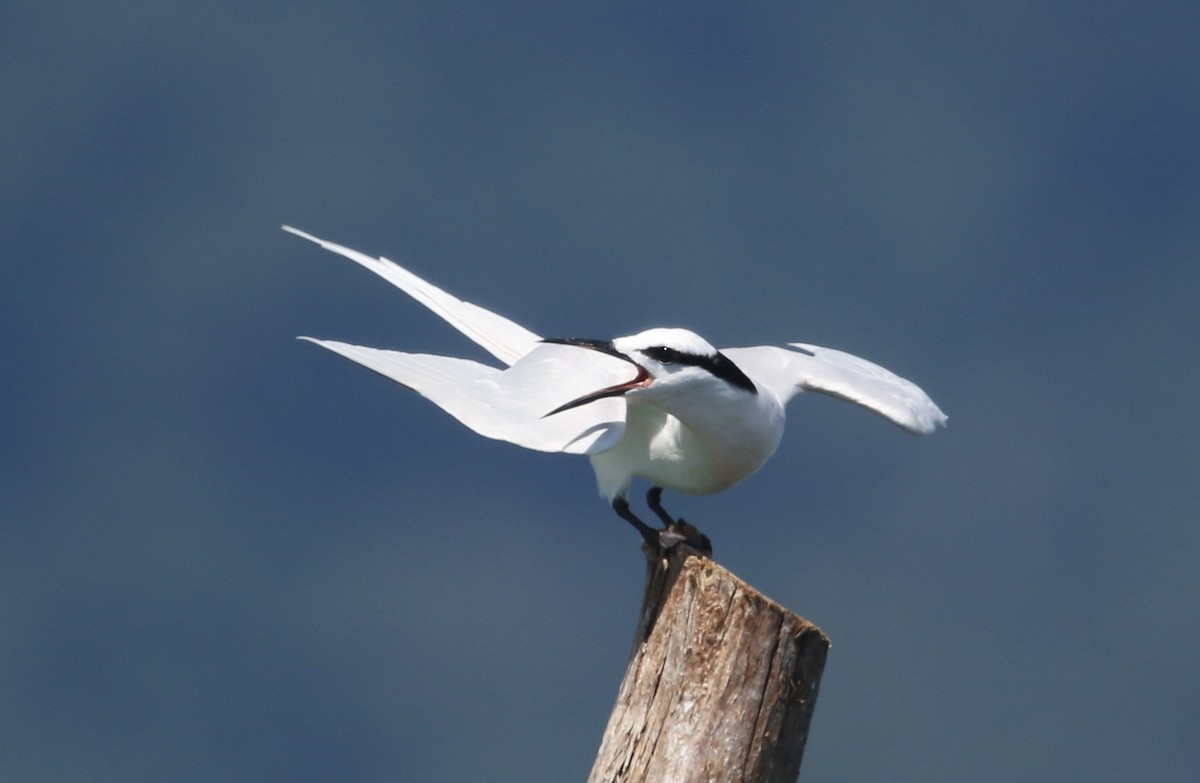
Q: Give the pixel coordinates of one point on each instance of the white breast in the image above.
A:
(703, 446)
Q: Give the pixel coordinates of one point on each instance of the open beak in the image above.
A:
(643, 377)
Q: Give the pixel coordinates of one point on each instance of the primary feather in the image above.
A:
(803, 367)
(664, 404)
(500, 337)
(511, 404)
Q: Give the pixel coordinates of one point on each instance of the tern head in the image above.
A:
(675, 358)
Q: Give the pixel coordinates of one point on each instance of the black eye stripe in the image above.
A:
(718, 364)
(662, 353)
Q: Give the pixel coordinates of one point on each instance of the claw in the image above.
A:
(674, 531)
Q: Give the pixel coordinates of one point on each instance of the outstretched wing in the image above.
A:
(500, 337)
(510, 404)
(801, 367)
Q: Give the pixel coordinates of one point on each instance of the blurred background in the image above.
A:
(227, 555)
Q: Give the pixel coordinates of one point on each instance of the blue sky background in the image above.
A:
(226, 555)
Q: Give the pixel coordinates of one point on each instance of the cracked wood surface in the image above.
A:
(721, 685)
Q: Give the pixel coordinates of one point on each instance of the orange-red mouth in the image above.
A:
(643, 377)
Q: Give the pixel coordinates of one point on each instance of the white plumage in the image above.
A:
(662, 405)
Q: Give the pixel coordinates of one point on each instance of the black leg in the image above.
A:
(675, 531)
(654, 501)
(621, 506)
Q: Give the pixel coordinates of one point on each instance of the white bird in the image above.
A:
(662, 405)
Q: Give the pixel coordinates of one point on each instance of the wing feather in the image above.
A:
(802, 367)
(510, 404)
(499, 336)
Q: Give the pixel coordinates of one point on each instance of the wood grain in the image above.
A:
(721, 685)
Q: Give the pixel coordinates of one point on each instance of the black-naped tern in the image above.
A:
(692, 418)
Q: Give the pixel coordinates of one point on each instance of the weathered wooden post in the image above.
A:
(721, 685)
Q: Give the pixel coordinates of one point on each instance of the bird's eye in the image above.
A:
(661, 353)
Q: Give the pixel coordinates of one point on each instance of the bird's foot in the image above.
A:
(674, 533)
(680, 532)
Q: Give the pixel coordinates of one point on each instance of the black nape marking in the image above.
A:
(717, 364)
